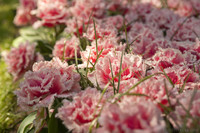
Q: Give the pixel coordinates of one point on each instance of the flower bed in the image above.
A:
(107, 66)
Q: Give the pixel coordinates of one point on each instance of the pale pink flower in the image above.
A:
(142, 10)
(65, 49)
(64, 69)
(21, 59)
(173, 3)
(78, 114)
(47, 81)
(132, 70)
(24, 16)
(186, 29)
(187, 101)
(180, 75)
(156, 3)
(102, 31)
(131, 115)
(105, 46)
(51, 12)
(82, 9)
(141, 38)
(155, 88)
(165, 58)
(185, 8)
(196, 5)
(117, 21)
(118, 6)
(162, 18)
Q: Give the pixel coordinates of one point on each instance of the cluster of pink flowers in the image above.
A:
(116, 48)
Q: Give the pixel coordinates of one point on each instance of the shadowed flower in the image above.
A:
(78, 114)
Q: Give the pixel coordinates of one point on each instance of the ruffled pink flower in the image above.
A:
(180, 75)
(102, 31)
(162, 18)
(196, 5)
(165, 58)
(187, 30)
(82, 9)
(141, 38)
(173, 3)
(131, 115)
(187, 101)
(51, 12)
(132, 70)
(47, 81)
(78, 114)
(155, 88)
(105, 46)
(185, 8)
(156, 3)
(118, 6)
(117, 21)
(21, 59)
(142, 10)
(24, 16)
(65, 49)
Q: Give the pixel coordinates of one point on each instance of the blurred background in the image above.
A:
(9, 116)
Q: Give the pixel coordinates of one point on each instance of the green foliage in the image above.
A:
(27, 124)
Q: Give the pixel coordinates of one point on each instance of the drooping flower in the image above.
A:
(21, 59)
(78, 114)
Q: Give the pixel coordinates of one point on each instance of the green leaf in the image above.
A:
(24, 126)
(16, 42)
(53, 123)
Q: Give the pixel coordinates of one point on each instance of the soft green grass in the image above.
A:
(8, 106)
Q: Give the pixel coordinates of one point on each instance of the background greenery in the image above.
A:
(9, 116)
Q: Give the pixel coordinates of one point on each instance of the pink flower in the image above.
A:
(187, 101)
(49, 80)
(173, 3)
(82, 9)
(155, 88)
(185, 8)
(141, 37)
(132, 70)
(187, 30)
(131, 115)
(24, 16)
(165, 58)
(142, 10)
(65, 49)
(196, 5)
(156, 3)
(117, 21)
(105, 46)
(162, 18)
(78, 114)
(102, 31)
(21, 59)
(51, 12)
